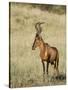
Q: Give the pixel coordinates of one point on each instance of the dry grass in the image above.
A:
(26, 67)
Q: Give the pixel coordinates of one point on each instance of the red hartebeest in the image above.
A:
(47, 53)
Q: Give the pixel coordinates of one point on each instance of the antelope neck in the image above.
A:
(41, 46)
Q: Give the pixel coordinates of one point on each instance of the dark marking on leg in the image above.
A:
(47, 67)
(43, 70)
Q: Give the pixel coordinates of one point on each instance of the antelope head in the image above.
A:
(38, 38)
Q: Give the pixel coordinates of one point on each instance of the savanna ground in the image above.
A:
(25, 64)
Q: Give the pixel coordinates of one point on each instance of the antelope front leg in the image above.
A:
(43, 67)
(47, 67)
(43, 70)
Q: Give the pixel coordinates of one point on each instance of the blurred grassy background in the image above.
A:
(25, 64)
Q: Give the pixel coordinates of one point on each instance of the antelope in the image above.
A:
(47, 53)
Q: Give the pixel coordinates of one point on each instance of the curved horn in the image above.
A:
(38, 28)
